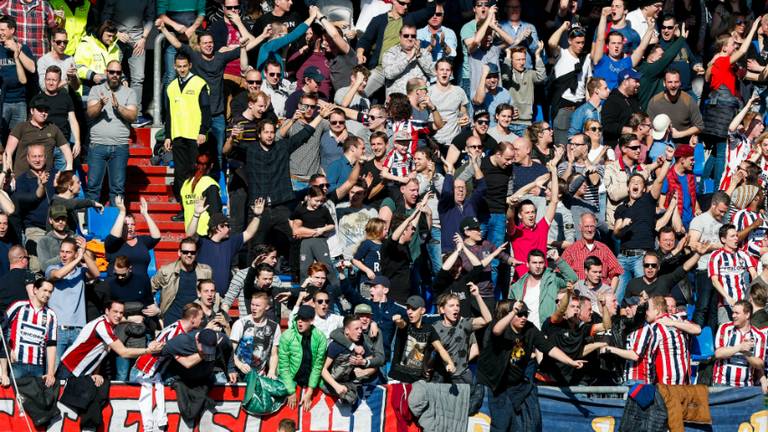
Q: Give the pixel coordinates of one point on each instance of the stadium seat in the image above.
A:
(703, 347)
(99, 224)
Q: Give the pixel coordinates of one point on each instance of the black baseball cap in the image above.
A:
(208, 340)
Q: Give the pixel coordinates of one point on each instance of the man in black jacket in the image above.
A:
(502, 364)
(620, 105)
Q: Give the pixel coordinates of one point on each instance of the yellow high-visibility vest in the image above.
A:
(186, 115)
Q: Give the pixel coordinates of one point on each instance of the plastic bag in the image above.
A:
(263, 395)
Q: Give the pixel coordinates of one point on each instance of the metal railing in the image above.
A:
(157, 83)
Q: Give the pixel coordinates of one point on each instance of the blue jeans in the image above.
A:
(434, 250)
(102, 158)
(170, 73)
(122, 368)
(633, 267)
(715, 164)
(518, 129)
(21, 370)
(13, 114)
(496, 232)
(218, 130)
(65, 338)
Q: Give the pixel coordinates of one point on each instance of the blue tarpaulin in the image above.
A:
(732, 410)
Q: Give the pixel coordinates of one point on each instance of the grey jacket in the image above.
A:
(440, 407)
(398, 69)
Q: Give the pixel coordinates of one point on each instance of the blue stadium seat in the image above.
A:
(539, 114)
(224, 194)
(703, 346)
(99, 224)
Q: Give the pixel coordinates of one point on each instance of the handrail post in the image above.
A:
(157, 85)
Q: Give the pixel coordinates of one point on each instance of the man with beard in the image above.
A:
(655, 65)
(635, 225)
(620, 105)
(681, 108)
(686, 62)
(112, 108)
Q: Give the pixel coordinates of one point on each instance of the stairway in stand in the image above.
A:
(154, 184)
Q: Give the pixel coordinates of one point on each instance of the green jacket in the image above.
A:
(551, 283)
(653, 73)
(289, 357)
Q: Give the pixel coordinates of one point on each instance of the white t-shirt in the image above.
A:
(448, 103)
(531, 299)
(565, 65)
(708, 226)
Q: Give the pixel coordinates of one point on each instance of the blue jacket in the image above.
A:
(33, 210)
(451, 214)
(374, 34)
(271, 49)
(382, 315)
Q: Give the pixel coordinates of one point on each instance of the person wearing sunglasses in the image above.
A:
(635, 219)
(177, 281)
(438, 39)
(406, 61)
(57, 57)
(372, 44)
(240, 102)
(653, 282)
(502, 369)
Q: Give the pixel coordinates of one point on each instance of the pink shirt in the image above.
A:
(524, 240)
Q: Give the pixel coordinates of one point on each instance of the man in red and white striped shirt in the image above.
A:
(147, 370)
(671, 360)
(739, 349)
(728, 268)
(639, 342)
(92, 344)
(32, 326)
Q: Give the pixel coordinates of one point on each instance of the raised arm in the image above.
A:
(200, 208)
(648, 38)
(598, 49)
(746, 43)
(485, 314)
(117, 227)
(554, 190)
(154, 231)
(734, 125)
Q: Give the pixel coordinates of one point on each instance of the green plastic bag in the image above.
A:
(263, 395)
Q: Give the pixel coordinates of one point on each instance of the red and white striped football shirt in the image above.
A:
(736, 371)
(669, 350)
(639, 342)
(730, 269)
(149, 363)
(90, 347)
(32, 330)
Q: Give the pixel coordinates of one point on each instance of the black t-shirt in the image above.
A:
(313, 218)
(413, 347)
(497, 183)
(503, 361)
(14, 288)
(137, 254)
(305, 367)
(187, 293)
(661, 286)
(396, 265)
(60, 106)
(571, 341)
(460, 142)
(135, 288)
(640, 233)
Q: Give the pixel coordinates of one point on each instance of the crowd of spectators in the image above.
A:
(503, 195)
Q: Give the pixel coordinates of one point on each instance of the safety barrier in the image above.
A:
(157, 83)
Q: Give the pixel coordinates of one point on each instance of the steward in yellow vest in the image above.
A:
(200, 186)
(188, 119)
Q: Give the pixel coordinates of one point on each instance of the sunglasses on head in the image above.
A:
(577, 32)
